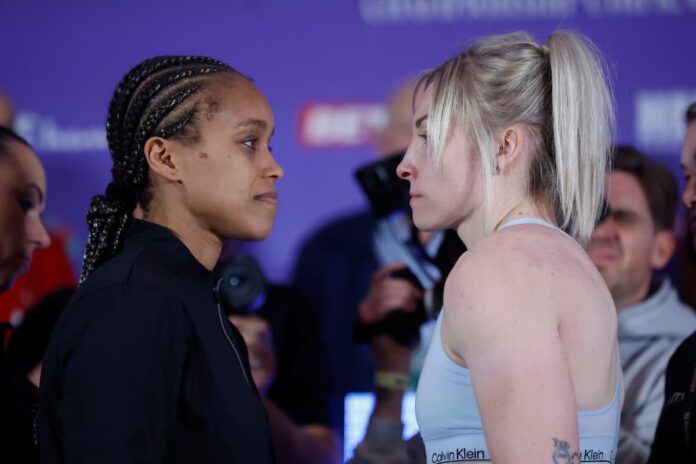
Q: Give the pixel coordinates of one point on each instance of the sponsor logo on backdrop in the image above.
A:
(426, 11)
(659, 119)
(48, 135)
(340, 125)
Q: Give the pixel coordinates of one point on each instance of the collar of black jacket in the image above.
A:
(153, 236)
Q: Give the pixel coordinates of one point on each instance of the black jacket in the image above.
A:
(675, 437)
(18, 403)
(143, 367)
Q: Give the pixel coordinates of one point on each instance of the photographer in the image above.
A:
(287, 361)
(383, 441)
(404, 294)
(396, 362)
(335, 262)
(335, 265)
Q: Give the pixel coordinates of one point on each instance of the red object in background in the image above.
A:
(50, 270)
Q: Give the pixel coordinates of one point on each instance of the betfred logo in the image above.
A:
(340, 125)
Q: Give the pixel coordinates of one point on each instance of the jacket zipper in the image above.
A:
(224, 331)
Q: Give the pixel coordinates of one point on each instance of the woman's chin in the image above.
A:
(257, 234)
(426, 224)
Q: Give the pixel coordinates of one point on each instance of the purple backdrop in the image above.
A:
(61, 61)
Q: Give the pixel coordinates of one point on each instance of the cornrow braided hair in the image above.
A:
(153, 99)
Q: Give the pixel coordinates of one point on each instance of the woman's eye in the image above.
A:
(250, 143)
(424, 137)
(25, 204)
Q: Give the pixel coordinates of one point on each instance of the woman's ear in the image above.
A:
(510, 148)
(160, 154)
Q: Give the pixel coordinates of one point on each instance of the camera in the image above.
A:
(396, 239)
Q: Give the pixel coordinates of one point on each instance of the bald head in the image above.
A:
(6, 111)
(396, 134)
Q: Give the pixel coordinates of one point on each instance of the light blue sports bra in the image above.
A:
(449, 418)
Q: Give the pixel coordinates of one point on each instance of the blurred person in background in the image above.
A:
(6, 111)
(50, 267)
(346, 272)
(675, 438)
(22, 201)
(633, 243)
(20, 374)
(335, 264)
(397, 365)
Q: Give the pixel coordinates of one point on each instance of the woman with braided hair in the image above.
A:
(144, 366)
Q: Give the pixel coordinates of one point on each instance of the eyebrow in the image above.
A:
(420, 120)
(253, 122)
(624, 210)
(260, 123)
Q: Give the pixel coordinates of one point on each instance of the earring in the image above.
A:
(497, 168)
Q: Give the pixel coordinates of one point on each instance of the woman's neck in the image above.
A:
(203, 244)
(518, 213)
(477, 228)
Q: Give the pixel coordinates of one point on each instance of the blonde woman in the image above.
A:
(510, 147)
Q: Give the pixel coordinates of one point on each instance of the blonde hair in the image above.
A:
(558, 92)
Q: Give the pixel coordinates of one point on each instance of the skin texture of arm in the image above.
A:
(501, 322)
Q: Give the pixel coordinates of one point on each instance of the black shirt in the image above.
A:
(675, 437)
(18, 405)
(143, 367)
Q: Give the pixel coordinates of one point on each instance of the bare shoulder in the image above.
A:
(527, 274)
(532, 298)
(512, 264)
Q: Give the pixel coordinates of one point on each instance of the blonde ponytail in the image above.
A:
(583, 129)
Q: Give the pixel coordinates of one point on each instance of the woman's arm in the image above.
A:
(118, 360)
(500, 320)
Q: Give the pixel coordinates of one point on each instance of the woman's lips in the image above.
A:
(267, 197)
